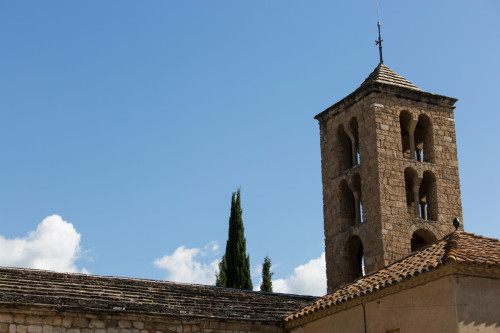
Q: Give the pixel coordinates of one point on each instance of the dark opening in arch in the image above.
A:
(421, 238)
(424, 150)
(344, 149)
(353, 124)
(428, 197)
(404, 122)
(347, 202)
(411, 186)
(355, 256)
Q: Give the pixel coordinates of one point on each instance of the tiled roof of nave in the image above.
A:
(107, 294)
(460, 247)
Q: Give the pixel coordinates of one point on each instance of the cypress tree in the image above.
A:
(220, 277)
(234, 268)
(267, 284)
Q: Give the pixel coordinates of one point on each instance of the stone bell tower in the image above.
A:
(390, 174)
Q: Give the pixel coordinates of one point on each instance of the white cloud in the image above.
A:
(54, 245)
(182, 266)
(307, 279)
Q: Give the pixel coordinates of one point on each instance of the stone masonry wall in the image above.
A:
(386, 227)
(339, 229)
(398, 225)
(35, 321)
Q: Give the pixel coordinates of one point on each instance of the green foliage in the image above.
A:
(234, 268)
(267, 284)
(220, 277)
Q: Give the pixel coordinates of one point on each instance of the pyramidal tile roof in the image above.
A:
(460, 247)
(385, 75)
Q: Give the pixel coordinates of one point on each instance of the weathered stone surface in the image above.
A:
(66, 322)
(4, 328)
(124, 324)
(34, 320)
(52, 320)
(367, 161)
(6, 318)
(80, 322)
(138, 324)
(94, 294)
(34, 329)
(96, 323)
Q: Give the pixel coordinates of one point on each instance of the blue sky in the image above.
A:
(135, 121)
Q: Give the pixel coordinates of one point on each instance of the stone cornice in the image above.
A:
(361, 92)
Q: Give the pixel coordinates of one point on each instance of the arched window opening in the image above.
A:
(406, 123)
(412, 183)
(347, 201)
(355, 256)
(428, 197)
(356, 191)
(421, 238)
(424, 140)
(353, 124)
(344, 147)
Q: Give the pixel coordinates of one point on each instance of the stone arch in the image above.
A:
(428, 197)
(344, 148)
(355, 258)
(353, 126)
(421, 238)
(424, 141)
(347, 203)
(412, 184)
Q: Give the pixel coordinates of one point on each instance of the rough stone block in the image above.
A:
(6, 318)
(34, 329)
(34, 320)
(52, 320)
(48, 329)
(66, 322)
(124, 324)
(97, 323)
(138, 324)
(80, 322)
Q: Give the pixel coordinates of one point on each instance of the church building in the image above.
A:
(397, 257)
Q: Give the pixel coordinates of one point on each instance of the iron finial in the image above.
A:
(379, 40)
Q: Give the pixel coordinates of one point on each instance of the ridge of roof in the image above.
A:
(27, 287)
(385, 75)
(459, 247)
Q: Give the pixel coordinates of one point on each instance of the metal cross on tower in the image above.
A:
(379, 40)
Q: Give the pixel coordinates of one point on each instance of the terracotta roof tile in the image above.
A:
(107, 294)
(460, 247)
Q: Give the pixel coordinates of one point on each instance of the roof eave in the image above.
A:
(413, 94)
